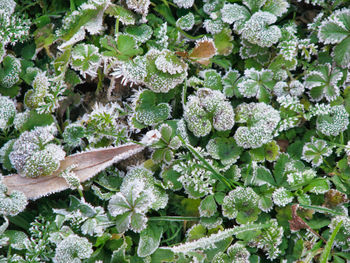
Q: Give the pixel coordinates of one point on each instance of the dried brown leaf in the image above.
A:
(87, 165)
(203, 51)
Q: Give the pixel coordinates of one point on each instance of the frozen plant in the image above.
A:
(33, 155)
(138, 194)
(256, 29)
(86, 59)
(282, 196)
(13, 203)
(46, 94)
(213, 26)
(88, 16)
(73, 249)
(269, 240)
(13, 28)
(333, 123)
(261, 120)
(241, 204)
(206, 110)
(184, 3)
(102, 122)
(315, 151)
(186, 22)
(7, 112)
(324, 82)
(196, 181)
(256, 83)
(139, 6)
(9, 71)
(335, 30)
(235, 253)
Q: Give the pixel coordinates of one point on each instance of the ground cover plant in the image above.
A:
(174, 131)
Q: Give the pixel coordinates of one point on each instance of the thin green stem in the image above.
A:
(189, 36)
(174, 218)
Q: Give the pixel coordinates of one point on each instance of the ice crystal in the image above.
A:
(196, 181)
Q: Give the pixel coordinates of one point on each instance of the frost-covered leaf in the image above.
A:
(315, 151)
(241, 204)
(149, 240)
(324, 82)
(86, 59)
(208, 206)
(336, 30)
(89, 17)
(333, 123)
(256, 83)
(257, 30)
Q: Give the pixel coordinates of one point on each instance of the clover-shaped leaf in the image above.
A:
(224, 149)
(256, 84)
(241, 204)
(315, 151)
(130, 205)
(230, 83)
(324, 82)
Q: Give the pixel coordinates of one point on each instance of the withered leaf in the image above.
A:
(87, 165)
(203, 51)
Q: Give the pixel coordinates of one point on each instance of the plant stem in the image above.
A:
(174, 218)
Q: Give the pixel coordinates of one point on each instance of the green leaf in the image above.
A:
(342, 53)
(149, 240)
(327, 249)
(166, 13)
(162, 255)
(17, 239)
(127, 47)
(208, 206)
(35, 119)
